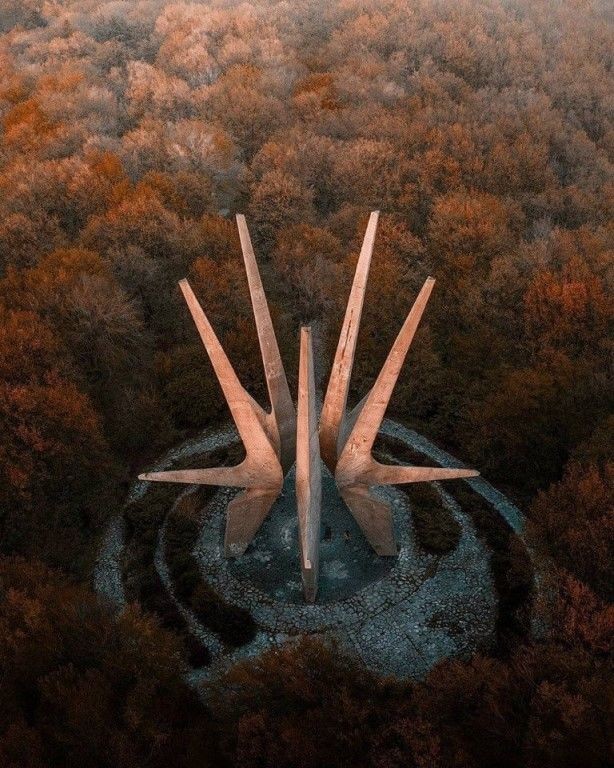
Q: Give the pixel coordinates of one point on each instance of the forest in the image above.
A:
(130, 135)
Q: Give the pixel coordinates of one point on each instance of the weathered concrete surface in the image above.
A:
(346, 440)
(356, 469)
(308, 471)
(277, 383)
(269, 438)
(335, 401)
(401, 615)
(373, 516)
(260, 472)
(355, 463)
(355, 453)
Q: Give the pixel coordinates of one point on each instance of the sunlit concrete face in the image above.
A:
(308, 470)
(335, 402)
(268, 438)
(282, 407)
(347, 439)
(273, 440)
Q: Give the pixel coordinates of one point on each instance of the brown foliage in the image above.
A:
(56, 473)
(131, 132)
(80, 687)
(308, 704)
(574, 520)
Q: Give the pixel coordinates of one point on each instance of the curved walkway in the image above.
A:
(425, 608)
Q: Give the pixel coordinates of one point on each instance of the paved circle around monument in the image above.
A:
(400, 615)
(271, 562)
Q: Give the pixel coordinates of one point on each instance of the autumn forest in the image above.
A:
(130, 135)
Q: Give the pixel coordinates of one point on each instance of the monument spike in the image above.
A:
(260, 472)
(335, 400)
(238, 399)
(373, 516)
(308, 469)
(277, 382)
(371, 409)
(273, 440)
(245, 514)
(232, 477)
(392, 474)
(356, 469)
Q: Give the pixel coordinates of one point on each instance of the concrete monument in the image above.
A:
(273, 440)
(346, 439)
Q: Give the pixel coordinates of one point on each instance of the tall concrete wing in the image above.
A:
(367, 417)
(273, 440)
(335, 401)
(308, 470)
(260, 473)
(356, 469)
(282, 406)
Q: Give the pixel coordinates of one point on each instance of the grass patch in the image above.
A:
(436, 529)
(511, 567)
(143, 519)
(234, 625)
(402, 453)
(142, 581)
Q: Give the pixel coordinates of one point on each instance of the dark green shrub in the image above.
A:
(436, 529)
(235, 626)
(510, 563)
(143, 519)
(402, 453)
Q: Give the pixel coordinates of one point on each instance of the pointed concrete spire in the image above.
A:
(335, 400)
(260, 472)
(308, 470)
(356, 469)
(367, 417)
(373, 516)
(272, 440)
(277, 383)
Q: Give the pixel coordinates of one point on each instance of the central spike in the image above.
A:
(308, 470)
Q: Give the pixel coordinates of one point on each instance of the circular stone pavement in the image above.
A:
(271, 563)
(401, 615)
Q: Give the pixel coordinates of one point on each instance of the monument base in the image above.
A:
(347, 562)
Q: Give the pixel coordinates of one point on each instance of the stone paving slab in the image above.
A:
(401, 616)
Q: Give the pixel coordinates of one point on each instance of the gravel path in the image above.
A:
(424, 609)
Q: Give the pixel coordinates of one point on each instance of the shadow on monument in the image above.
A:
(347, 562)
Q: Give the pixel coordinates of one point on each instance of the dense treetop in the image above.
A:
(131, 132)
